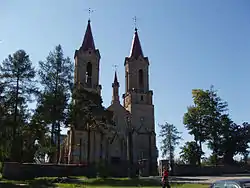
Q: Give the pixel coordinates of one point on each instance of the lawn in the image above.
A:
(93, 183)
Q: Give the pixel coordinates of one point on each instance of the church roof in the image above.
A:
(88, 41)
(136, 49)
(115, 79)
(115, 83)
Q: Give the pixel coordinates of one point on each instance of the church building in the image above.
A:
(136, 111)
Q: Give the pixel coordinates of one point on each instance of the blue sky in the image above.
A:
(190, 44)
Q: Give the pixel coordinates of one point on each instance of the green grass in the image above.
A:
(94, 183)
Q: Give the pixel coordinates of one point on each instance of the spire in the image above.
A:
(115, 85)
(115, 79)
(136, 49)
(88, 41)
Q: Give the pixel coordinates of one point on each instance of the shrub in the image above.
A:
(102, 170)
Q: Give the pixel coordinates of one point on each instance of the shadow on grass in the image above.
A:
(122, 182)
(5, 184)
(112, 182)
(27, 183)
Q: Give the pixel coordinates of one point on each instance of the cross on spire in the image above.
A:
(115, 67)
(89, 12)
(135, 22)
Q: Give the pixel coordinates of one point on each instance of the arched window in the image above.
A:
(89, 74)
(141, 82)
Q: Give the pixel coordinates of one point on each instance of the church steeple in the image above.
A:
(87, 63)
(115, 85)
(88, 41)
(136, 49)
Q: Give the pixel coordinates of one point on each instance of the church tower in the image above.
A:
(138, 101)
(87, 63)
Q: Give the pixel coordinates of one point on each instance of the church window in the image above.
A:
(141, 82)
(89, 74)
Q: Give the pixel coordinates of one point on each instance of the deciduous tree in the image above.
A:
(189, 153)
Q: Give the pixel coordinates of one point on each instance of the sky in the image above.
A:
(190, 44)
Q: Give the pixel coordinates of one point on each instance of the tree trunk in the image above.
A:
(130, 153)
(72, 144)
(88, 153)
(55, 123)
(14, 156)
(94, 147)
(200, 152)
(58, 142)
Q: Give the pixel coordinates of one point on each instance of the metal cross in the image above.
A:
(115, 66)
(135, 21)
(89, 11)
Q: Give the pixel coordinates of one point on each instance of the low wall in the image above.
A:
(189, 170)
(17, 171)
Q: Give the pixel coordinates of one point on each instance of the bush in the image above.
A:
(102, 170)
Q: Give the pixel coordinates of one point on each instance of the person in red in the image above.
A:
(165, 182)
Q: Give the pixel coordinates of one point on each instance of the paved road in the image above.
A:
(202, 179)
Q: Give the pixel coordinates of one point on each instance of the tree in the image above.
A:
(204, 119)
(4, 131)
(35, 136)
(88, 114)
(235, 140)
(189, 153)
(56, 77)
(215, 109)
(170, 139)
(17, 76)
(193, 121)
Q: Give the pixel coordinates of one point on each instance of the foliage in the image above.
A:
(208, 121)
(56, 77)
(87, 113)
(17, 77)
(170, 139)
(193, 121)
(84, 102)
(189, 153)
(235, 140)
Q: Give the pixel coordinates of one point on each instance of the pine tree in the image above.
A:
(56, 77)
(170, 139)
(17, 76)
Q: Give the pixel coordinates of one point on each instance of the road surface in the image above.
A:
(201, 179)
